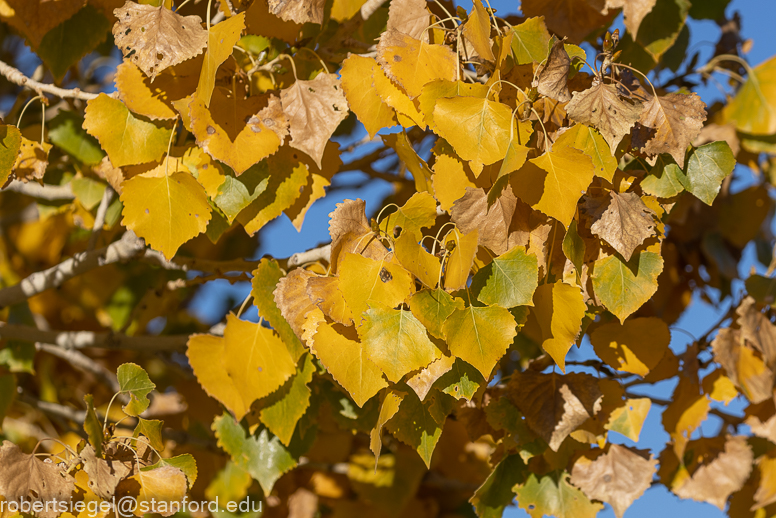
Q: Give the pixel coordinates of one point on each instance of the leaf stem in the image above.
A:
(19, 120)
(209, 5)
(323, 64)
(507, 82)
(642, 74)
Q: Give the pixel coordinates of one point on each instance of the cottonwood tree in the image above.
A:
(547, 196)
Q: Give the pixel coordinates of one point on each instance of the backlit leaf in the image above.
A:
(413, 63)
(635, 346)
(552, 495)
(419, 424)
(364, 281)
(559, 310)
(432, 307)
(388, 409)
(509, 280)
(530, 40)
(134, 382)
(220, 44)
(625, 287)
(282, 410)
(753, 109)
(480, 336)
(370, 109)
(629, 418)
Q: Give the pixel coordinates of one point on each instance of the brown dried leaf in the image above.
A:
(618, 477)
(26, 477)
(298, 11)
(634, 12)
(155, 38)
(553, 78)
(720, 474)
(554, 405)
(669, 124)
(291, 298)
(471, 212)
(35, 18)
(573, 18)
(314, 110)
(32, 160)
(744, 368)
(602, 107)
(757, 330)
(324, 292)
(104, 475)
(410, 17)
(625, 224)
(349, 231)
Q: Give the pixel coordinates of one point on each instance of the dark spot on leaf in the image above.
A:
(396, 58)
(607, 478)
(260, 369)
(385, 275)
(210, 130)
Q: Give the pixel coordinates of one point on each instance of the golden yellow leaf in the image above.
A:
(32, 160)
(477, 31)
(220, 44)
(449, 181)
(165, 207)
(371, 110)
(480, 336)
(388, 409)
(413, 63)
(417, 260)
(154, 99)
(396, 97)
(635, 346)
(161, 491)
(365, 281)
(629, 418)
(559, 309)
(461, 249)
(207, 360)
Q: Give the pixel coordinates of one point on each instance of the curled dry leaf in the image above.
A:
(555, 405)
(410, 17)
(29, 478)
(618, 477)
(292, 299)
(314, 110)
(669, 124)
(104, 474)
(553, 78)
(625, 224)
(492, 223)
(350, 233)
(602, 107)
(155, 38)
(298, 11)
(720, 472)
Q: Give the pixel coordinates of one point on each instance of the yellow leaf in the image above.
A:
(417, 213)
(345, 359)
(480, 336)
(719, 387)
(396, 341)
(413, 63)
(554, 182)
(161, 491)
(206, 357)
(365, 102)
(220, 44)
(128, 140)
(753, 110)
(478, 129)
(325, 293)
(165, 209)
(387, 410)
(416, 260)
(477, 31)
(559, 310)
(449, 181)
(688, 409)
(154, 99)
(237, 130)
(365, 281)
(460, 256)
(636, 346)
(256, 359)
(342, 10)
(629, 418)
(436, 90)
(32, 160)
(396, 97)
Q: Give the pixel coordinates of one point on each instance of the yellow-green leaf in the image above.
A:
(10, 144)
(624, 287)
(127, 139)
(753, 109)
(480, 336)
(553, 495)
(432, 307)
(387, 410)
(530, 41)
(629, 418)
(590, 142)
(419, 424)
(509, 280)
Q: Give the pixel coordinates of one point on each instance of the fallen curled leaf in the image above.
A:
(553, 78)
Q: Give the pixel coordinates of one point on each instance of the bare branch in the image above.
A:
(43, 192)
(99, 218)
(16, 77)
(186, 264)
(86, 339)
(122, 250)
(316, 254)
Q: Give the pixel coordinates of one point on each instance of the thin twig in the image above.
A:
(99, 218)
(43, 192)
(83, 363)
(86, 339)
(16, 77)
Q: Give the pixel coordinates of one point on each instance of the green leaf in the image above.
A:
(126, 138)
(480, 336)
(231, 484)
(658, 32)
(396, 341)
(65, 45)
(624, 287)
(753, 110)
(134, 381)
(509, 280)
(92, 425)
(152, 429)
(262, 455)
(706, 168)
(7, 395)
(665, 179)
(282, 410)
(265, 279)
(495, 494)
(530, 40)
(462, 381)
(432, 307)
(67, 133)
(88, 192)
(762, 289)
(185, 462)
(419, 424)
(552, 495)
(10, 144)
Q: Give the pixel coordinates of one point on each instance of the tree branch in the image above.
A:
(187, 264)
(16, 77)
(83, 363)
(99, 218)
(84, 339)
(310, 256)
(122, 250)
(43, 192)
